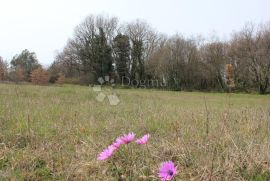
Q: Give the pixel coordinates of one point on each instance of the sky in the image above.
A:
(44, 26)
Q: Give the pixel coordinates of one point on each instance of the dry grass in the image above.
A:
(55, 133)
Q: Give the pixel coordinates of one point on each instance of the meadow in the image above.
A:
(57, 132)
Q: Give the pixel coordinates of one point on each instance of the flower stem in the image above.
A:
(118, 173)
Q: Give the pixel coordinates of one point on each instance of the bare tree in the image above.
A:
(175, 62)
(3, 69)
(251, 52)
(100, 47)
(213, 55)
(144, 40)
(91, 48)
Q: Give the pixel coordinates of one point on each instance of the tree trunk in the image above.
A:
(263, 87)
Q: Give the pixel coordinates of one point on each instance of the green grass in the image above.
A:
(56, 133)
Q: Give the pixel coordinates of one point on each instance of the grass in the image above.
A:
(56, 133)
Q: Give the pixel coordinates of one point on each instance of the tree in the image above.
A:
(262, 62)
(213, 56)
(26, 60)
(121, 49)
(3, 69)
(137, 69)
(67, 61)
(89, 54)
(143, 43)
(176, 63)
(20, 74)
(103, 52)
(39, 76)
(251, 56)
(156, 66)
(136, 50)
(61, 79)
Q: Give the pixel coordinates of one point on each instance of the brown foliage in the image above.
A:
(61, 79)
(39, 76)
(229, 75)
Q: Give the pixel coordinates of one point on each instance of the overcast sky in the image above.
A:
(43, 26)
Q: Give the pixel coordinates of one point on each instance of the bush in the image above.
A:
(39, 76)
(61, 79)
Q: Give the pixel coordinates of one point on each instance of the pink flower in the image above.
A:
(167, 171)
(143, 140)
(112, 147)
(106, 153)
(118, 142)
(127, 138)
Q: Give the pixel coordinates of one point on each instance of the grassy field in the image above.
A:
(56, 133)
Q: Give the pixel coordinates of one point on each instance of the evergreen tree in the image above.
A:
(137, 69)
(102, 55)
(122, 55)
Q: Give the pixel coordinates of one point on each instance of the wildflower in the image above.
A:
(167, 171)
(127, 138)
(106, 153)
(118, 142)
(143, 140)
(112, 147)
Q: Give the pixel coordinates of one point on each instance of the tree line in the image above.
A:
(24, 67)
(136, 52)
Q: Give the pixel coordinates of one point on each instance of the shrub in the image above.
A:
(61, 79)
(39, 76)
